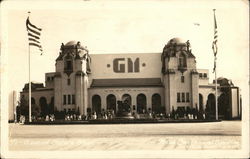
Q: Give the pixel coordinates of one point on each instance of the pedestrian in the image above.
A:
(94, 115)
(47, 118)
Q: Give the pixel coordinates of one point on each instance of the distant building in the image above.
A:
(159, 82)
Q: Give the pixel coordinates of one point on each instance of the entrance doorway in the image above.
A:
(210, 107)
(111, 102)
(141, 103)
(43, 106)
(156, 104)
(96, 104)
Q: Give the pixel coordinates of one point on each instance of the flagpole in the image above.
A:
(29, 85)
(34, 39)
(216, 102)
(215, 74)
(81, 107)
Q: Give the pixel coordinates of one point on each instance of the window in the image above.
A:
(69, 99)
(187, 97)
(205, 75)
(48, 78)
(68, 82)
(68, 65)
(200, 74)
(73, 99)
(64, 99)
(183, 97)
(178, 97)
(182, 60)
(182, 79)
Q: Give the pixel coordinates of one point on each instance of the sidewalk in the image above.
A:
(118, 121)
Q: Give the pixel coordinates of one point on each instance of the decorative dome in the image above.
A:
(73, 47)
(177, 41)
(176, 45)
(70, 43)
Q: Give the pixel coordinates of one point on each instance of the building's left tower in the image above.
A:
(71, 78)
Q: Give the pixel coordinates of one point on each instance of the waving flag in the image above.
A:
(34, 34)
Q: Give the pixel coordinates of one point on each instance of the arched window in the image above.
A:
(141, 103)
(156, 103)
(68, 64)
(96, 104)
(182, 60)
(111, 102)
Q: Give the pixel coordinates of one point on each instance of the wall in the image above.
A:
(202, 79)
(119, 92)
(235, 102)
(205, 90)
(149, 65)
(38, 94)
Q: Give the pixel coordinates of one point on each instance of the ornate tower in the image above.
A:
(71, 78)
(180, 77)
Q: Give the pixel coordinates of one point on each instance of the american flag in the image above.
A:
(214, 44)
(34, 34)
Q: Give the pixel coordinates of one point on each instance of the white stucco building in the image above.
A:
(159, 82)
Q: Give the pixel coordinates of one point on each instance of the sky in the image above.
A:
(125, 27)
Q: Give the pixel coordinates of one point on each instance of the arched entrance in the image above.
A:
(44, 106)
(141, 103)
(96, 104)
(210, 107)
(126, 102)
(200, 102)
(111, 102)
(156, 103)
(126, 98)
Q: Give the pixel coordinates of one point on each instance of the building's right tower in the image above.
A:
(180, 77)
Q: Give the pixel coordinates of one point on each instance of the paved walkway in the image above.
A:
(165, 136)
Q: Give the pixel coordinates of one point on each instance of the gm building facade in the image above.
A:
(157, 82)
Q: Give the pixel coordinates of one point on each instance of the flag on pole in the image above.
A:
(214, 44)
(34, 34)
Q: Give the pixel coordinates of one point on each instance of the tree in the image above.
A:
(24, 107)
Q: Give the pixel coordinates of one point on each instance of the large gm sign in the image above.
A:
(122, 65)
(138, 65)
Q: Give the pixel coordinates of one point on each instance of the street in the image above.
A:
(165, 136)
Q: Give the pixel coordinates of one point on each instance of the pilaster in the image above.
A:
(194, 90)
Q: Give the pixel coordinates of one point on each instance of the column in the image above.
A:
(58, 92)
(85, 94)
(149, 100)
(194, 90)
(78, 93)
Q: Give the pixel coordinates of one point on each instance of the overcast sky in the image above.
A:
(125, 27)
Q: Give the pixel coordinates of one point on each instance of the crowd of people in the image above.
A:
(187, 113)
